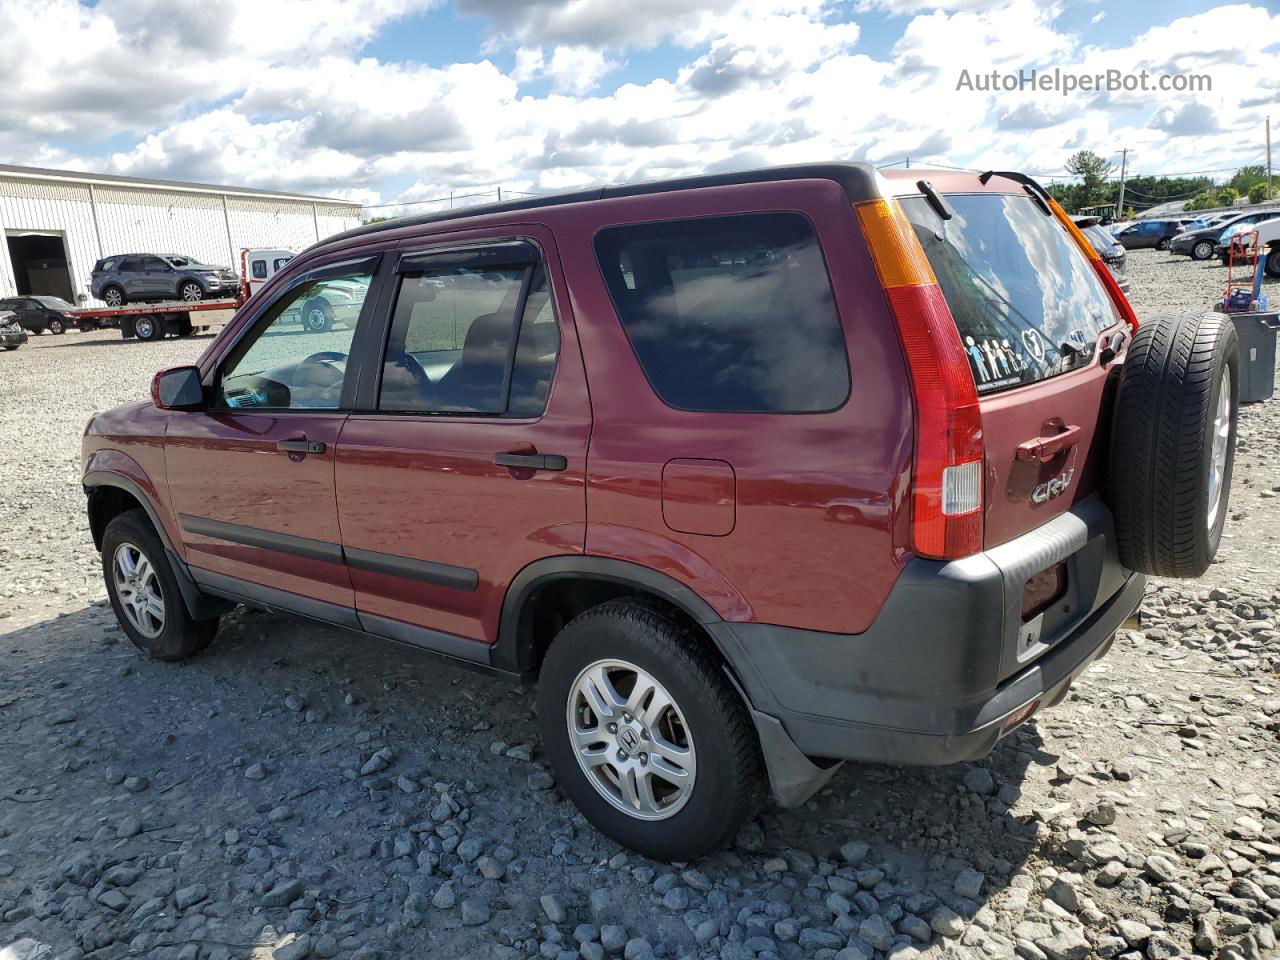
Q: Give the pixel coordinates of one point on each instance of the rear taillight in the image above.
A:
(1099, 265)
(946, 504)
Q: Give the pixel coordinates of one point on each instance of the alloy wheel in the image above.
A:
(113, 297)
(191, 292)
(138, 590)
(631, 740)
(1221, 441)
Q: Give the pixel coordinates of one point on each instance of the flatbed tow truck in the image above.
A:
(153, 321)
(338, 303)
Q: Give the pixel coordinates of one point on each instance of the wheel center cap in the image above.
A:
(628, 740)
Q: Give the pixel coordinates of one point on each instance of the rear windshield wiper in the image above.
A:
(1037, 192)
(936, 200)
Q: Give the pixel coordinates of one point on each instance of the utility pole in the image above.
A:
(1124, 157)
(908, 163)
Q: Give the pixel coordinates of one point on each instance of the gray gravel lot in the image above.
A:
(296, 791)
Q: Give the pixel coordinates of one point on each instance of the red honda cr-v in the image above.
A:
(754, 473)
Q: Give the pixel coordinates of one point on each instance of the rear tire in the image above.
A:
(147, 329)
(1177, 396)
(1163, 244)
(317, 316)
(130, 542)
(706, 722)
(1272, 267)
(114, 296)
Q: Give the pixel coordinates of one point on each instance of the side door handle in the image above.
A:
(531, 461)
(302, 445)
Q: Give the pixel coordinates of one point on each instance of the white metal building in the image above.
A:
(58, 223)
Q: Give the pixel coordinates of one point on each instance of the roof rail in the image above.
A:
(857, 179)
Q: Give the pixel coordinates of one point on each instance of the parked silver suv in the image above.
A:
(140, 277)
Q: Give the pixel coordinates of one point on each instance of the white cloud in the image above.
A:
(762, 81)
(575, 69)
(595, 23)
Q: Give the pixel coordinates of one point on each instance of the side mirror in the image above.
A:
(177, 388)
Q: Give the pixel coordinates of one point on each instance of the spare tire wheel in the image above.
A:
(1173, 443)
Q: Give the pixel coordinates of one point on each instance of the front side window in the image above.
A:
(451, 350)
(729, 314)
(291, 360)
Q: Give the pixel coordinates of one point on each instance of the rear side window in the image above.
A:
(1027, 303)
(729, 314)
(259, 269)
(451, 352)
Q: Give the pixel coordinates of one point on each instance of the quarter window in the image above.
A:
(729, 314)
(450, 350)
(296, 358)
(259, 269)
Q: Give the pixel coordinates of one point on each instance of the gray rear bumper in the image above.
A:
(949, 658)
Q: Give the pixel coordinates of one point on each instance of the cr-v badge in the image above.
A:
(1052, 488)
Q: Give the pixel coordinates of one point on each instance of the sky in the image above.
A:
(397, 103)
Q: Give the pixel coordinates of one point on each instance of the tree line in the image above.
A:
(1099, 185)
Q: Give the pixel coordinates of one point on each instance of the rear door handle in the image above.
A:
(531, 461)
(1045, 448)
(302, 445)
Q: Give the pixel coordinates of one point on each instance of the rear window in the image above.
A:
(1027, 303)
(729, 314)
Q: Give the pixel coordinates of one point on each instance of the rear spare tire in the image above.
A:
(1173, 443)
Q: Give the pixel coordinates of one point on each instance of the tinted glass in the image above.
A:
(450, 347)
(55, 303)
(260, 269)
(729, 314)
(1027, 303)
(536, 352)
(285, 364)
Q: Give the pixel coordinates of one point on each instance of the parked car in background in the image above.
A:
(1107, 246)
(1149, 233)
(12, 336)
(568, 440)
(1264, 228)
(1200, 244)
(41, 314)
(148, 277)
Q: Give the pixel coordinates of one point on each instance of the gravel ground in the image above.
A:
(300, 792)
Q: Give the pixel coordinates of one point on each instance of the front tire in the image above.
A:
(190, 291)
(144, 592)
(1272, 267)
(645, 733)
(1173, 443)
(1203, 250)
(56, 327)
